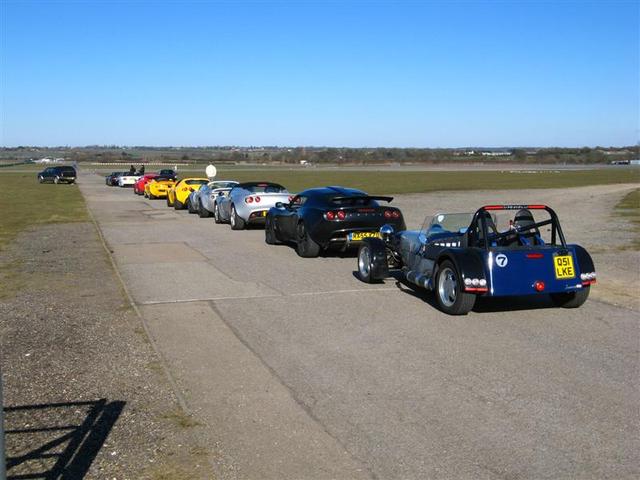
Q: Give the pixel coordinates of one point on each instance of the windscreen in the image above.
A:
(447, 223)
(353, 202)
(196, 182)
(265, 188)
(222, 184)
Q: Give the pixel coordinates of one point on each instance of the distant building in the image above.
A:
(496, 154)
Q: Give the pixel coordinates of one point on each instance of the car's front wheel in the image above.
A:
(56, 180)
(237, 223)
(191, 207)
(305, 246)
(365, 264)
(571, 299)
(203, 212)
(451, 297)
(40, 179)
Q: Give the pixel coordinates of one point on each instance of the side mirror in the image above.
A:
(279, 205)
(386, 231)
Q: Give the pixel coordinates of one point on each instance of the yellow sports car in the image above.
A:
(158, 188)
(178, 194)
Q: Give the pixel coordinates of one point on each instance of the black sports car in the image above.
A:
(318, 218)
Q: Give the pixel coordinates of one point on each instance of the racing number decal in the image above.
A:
(564, 266)
(502, 260)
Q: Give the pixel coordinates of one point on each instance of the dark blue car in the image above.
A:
(461, 256)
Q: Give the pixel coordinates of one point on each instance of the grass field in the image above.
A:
(384, 182)
(24, 203)
(629, 207)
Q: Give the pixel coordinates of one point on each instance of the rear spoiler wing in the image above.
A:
(363, 197)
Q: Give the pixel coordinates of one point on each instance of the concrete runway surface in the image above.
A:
(300, 371)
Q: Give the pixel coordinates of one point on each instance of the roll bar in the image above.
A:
(556, 230)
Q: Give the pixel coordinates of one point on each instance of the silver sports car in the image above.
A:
(201, 201)
(248, 203)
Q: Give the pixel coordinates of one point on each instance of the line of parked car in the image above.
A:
(458, 256)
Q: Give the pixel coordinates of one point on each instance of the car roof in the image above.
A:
(333, 190)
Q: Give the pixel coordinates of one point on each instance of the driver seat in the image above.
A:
(525, 223)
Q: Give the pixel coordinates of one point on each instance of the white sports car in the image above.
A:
(202, 200)
(248, 203)
(127, 180)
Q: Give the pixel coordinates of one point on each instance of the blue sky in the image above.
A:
(421, 74)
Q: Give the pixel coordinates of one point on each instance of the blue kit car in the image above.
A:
(461, 256)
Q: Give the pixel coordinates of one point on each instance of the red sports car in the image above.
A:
(138, 187)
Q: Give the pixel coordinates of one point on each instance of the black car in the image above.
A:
(167, 173)
(57, 175)
(319, 218)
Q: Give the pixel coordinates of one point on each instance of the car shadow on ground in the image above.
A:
(483, 305)
(57, 440)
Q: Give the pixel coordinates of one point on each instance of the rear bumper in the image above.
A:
(257, 217)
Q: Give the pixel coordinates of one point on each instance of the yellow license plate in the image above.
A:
(358, 236)
(564, 266)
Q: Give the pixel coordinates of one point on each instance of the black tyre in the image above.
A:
(365, 264)
(571, 300)
(236, 222)
(151, 196)
(168, 202)
(305, 246)
(203, 212)
(40, 179)
(56, 180)
(270, 236)
(216, 213)
(178, 205)
(451, 297)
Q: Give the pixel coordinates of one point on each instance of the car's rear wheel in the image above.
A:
(305, 246)
(451, 297)
(270, 236)
(237, 223)
(151, 196)
(178, 205)
(571, 299)
(40, 179)
(216, 213)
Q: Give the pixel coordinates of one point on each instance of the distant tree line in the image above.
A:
(324, 155)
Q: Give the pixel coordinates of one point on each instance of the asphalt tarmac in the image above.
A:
(301, 371)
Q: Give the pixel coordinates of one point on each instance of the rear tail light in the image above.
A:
(248, 200)
(478, 285)
(257, 199)
(395, 214)
(387, 214)
(539, 286)
(337, 215)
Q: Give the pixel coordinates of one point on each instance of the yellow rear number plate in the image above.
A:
(358, 236)
(564, 266)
